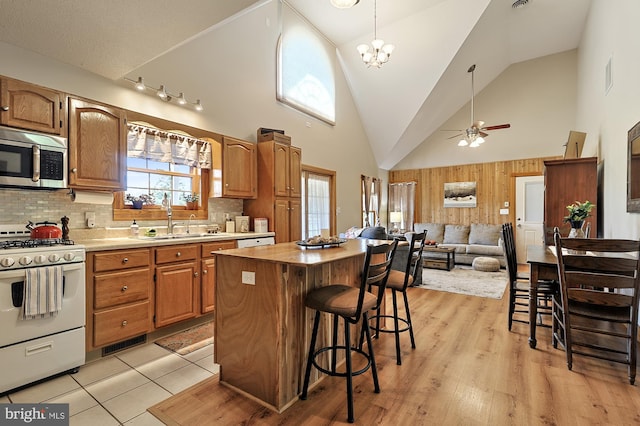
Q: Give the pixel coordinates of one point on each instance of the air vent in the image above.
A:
(117, 347)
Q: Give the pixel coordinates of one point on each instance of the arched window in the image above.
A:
(306, 64)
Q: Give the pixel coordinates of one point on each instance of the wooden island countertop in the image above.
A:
(262, 327)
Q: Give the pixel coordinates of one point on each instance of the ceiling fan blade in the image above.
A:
(499, 126)
(483, 134)
(455, 136)
(478, 124)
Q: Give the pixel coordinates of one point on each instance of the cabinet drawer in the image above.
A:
(114, 325)
(176, 253)
(120, 259)
(117, 288)
(208, 249)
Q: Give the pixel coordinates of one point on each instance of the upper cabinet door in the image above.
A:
(97, 146)
(32, 107)
(239, 168)
(295, 172)
(281, 184)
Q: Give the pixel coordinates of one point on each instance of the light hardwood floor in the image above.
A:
(467, 369)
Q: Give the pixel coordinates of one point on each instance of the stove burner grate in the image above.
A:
(34, 243)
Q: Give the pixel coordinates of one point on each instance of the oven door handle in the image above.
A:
(20, 273)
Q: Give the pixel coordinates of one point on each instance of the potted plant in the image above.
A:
(578, 212)
(139, 200)
(192, 200)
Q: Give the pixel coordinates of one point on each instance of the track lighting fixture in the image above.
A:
(165, 95)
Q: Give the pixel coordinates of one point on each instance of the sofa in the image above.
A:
(469, 241)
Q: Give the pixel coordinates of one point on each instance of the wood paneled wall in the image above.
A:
(495, 184)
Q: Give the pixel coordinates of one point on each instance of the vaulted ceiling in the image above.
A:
(400, 104)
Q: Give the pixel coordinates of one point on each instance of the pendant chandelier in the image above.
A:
(381, 52)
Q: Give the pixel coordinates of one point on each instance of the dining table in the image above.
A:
(543, 266)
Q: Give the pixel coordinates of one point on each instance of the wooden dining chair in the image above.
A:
(519, 283)
(599, 281)
(352, 304)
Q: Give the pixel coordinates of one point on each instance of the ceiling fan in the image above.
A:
(475, 134)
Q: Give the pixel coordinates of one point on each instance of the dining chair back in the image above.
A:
(519, 284)
(599, 280)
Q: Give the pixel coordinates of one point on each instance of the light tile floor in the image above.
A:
(118, 389)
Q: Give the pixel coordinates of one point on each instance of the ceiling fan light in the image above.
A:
(479, 140)
(344, 4)
(377, 44)
(463, 142)
(363, 48)
(474, 144)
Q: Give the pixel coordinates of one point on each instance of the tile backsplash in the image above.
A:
(21, 206)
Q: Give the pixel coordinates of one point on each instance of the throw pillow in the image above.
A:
(485, 234)
(456, 234)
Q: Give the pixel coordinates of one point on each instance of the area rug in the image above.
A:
(465, 280)
(189, 340)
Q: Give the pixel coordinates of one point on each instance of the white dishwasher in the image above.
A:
(254, 242)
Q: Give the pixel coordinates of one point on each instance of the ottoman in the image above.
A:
(486, 264)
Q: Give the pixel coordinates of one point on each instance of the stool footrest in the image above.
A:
(338, 373)
(390, 330)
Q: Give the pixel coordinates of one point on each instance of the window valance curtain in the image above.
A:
(168, 147)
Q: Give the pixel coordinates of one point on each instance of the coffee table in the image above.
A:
(435, 257)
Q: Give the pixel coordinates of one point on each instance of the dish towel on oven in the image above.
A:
(42, 292)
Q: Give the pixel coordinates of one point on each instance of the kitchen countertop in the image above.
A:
(115, 243)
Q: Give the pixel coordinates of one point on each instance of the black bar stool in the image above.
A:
(398, 282)
(351, 304)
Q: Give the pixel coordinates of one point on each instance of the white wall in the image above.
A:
(611, 32)
(537, 97)
(232, 70)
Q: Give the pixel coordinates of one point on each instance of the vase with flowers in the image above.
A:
(192, 200)
(137, 201)
(578, 212)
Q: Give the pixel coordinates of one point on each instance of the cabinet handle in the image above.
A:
(124, 323)
(124, 288)
(204, 272)
(74, 170)
(125, 260)
(195, 274)
(5, 108)
(178, 254)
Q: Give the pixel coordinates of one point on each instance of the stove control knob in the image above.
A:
(69, 257)
(7, 261)
(25, 260)
(53, 258)
(40, 259)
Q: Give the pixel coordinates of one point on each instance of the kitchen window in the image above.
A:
(161, 162)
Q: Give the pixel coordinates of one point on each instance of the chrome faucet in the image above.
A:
(191, 216)
(166, 204)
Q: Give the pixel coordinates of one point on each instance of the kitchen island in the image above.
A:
(262, 328)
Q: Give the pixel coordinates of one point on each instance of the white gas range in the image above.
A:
(34, 349)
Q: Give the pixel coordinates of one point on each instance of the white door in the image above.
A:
(529, 226)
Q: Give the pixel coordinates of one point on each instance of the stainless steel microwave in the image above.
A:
(32, 160)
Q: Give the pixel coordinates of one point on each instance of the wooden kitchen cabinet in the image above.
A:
(565, 182)
(279, 192)
(118, 296)
(97, 146)
(28, 106)
(177, 283)
(208, 267)
(234, 169)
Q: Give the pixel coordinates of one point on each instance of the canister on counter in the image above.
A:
(261, 224)
(242, 223)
